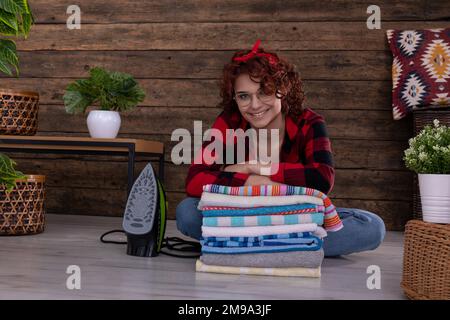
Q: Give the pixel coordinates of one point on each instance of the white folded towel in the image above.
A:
(281, 272)
(263, 230)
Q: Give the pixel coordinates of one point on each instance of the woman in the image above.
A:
(259, 91)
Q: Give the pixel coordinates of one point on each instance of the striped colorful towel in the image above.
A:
(209, 199)
(312, 245)
(276, 193)
(265, 220)
(219, 211)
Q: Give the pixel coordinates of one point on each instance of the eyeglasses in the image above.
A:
(245, 99)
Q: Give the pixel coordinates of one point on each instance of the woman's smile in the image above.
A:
(259, 114)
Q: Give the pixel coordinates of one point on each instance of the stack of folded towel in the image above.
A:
(264, 230)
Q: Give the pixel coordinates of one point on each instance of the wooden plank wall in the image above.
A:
(176, 49)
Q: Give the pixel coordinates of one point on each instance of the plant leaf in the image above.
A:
(9, 19)
(5, 69)
(16, 18)
(77, 98)
(7, 30)
(8, 52)
(115, 91)
(8, 174)
(24, 5)
(27, 22)
(8, 55)
(14, 6)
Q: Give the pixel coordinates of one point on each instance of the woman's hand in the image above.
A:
(255, 180)
(256, 169)
(240, 167)
(261, 169)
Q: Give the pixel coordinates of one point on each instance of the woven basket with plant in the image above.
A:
(21, 200)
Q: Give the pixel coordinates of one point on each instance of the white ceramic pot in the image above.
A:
(103, 124)
(435, 197)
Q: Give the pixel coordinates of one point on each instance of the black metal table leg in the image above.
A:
(131, 158)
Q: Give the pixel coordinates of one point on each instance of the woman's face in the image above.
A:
(258, 109)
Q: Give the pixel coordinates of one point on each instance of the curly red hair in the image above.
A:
(280, 78)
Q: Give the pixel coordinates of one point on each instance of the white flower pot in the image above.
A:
(435, 197)
(103, 124)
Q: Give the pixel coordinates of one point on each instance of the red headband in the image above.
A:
(272, 59)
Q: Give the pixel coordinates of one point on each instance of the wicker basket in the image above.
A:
(22, 211)
(18, 112)
(421, 119)
(426, 261)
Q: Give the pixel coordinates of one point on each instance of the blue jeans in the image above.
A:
(362, 230)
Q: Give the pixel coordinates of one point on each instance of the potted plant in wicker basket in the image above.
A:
(21, 200)
(429, 156)
(18, 109)
(114, 91)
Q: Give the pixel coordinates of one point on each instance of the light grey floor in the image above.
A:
(34, 267)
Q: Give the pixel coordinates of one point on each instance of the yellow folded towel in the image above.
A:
(280, 272)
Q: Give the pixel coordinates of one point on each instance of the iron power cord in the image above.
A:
(171, 243)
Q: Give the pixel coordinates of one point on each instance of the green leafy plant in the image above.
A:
(429, 151)
(8, 174)
(114, 91)
(15, 20)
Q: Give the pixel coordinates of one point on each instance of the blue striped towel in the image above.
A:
(264, 220)
(314, 245)
(260, 238)
(305, 238)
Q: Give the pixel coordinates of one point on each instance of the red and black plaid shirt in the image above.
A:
(305, 159)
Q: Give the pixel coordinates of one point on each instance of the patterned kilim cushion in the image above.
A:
(420, 69)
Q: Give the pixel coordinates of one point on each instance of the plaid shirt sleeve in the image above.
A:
(317, 169)
(205, 170)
